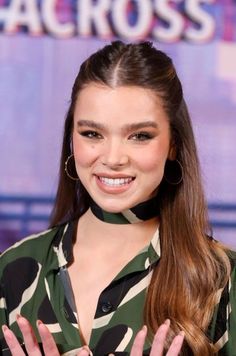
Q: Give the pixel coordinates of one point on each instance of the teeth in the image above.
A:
(115, 181)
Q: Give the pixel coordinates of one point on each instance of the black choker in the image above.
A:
(141, 212)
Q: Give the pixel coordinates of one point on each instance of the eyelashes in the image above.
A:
(141, 136)
(90, 134)
(137, 136)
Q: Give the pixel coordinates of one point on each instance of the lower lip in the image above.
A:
(113, 189)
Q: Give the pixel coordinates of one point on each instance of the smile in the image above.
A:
(115, 182)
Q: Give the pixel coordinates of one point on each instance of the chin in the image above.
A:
(109, 205)
(112, 209)
(115, 206)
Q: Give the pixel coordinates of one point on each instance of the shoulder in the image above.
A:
(33, 247)
(223, 323)
(232, 257)
(232, 284)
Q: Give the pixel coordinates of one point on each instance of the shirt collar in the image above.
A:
(63, 243)
(63, 247)
(145, 259)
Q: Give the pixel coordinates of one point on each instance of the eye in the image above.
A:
(141, 136)
(91, 134)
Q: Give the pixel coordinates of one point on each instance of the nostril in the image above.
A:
(118, 162)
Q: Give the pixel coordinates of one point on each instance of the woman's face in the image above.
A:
(121, 140)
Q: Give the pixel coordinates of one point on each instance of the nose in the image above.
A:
(115, 154)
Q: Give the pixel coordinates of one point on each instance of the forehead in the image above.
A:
(124, 103)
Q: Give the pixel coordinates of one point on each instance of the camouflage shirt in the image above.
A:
(34, 283)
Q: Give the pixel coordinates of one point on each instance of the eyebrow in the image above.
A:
(128, 127)
(90, 123)
(141, 125)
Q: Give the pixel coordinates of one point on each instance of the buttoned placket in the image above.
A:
(105, 307)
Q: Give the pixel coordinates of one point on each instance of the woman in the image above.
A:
(128, 243)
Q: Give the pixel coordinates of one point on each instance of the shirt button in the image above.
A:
(106, 307)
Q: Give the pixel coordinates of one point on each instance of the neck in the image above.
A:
(91, 229)
(136, 224)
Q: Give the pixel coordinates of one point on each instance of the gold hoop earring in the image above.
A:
(173, 172)
(67, 168)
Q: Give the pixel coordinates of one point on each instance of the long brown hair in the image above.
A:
(192, 267)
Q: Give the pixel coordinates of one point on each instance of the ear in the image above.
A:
(172, 152)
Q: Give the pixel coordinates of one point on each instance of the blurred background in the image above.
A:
(42, 44)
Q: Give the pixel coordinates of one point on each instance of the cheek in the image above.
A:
(84, 154)
(153, 160)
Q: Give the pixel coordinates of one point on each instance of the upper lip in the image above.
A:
(113, 176)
